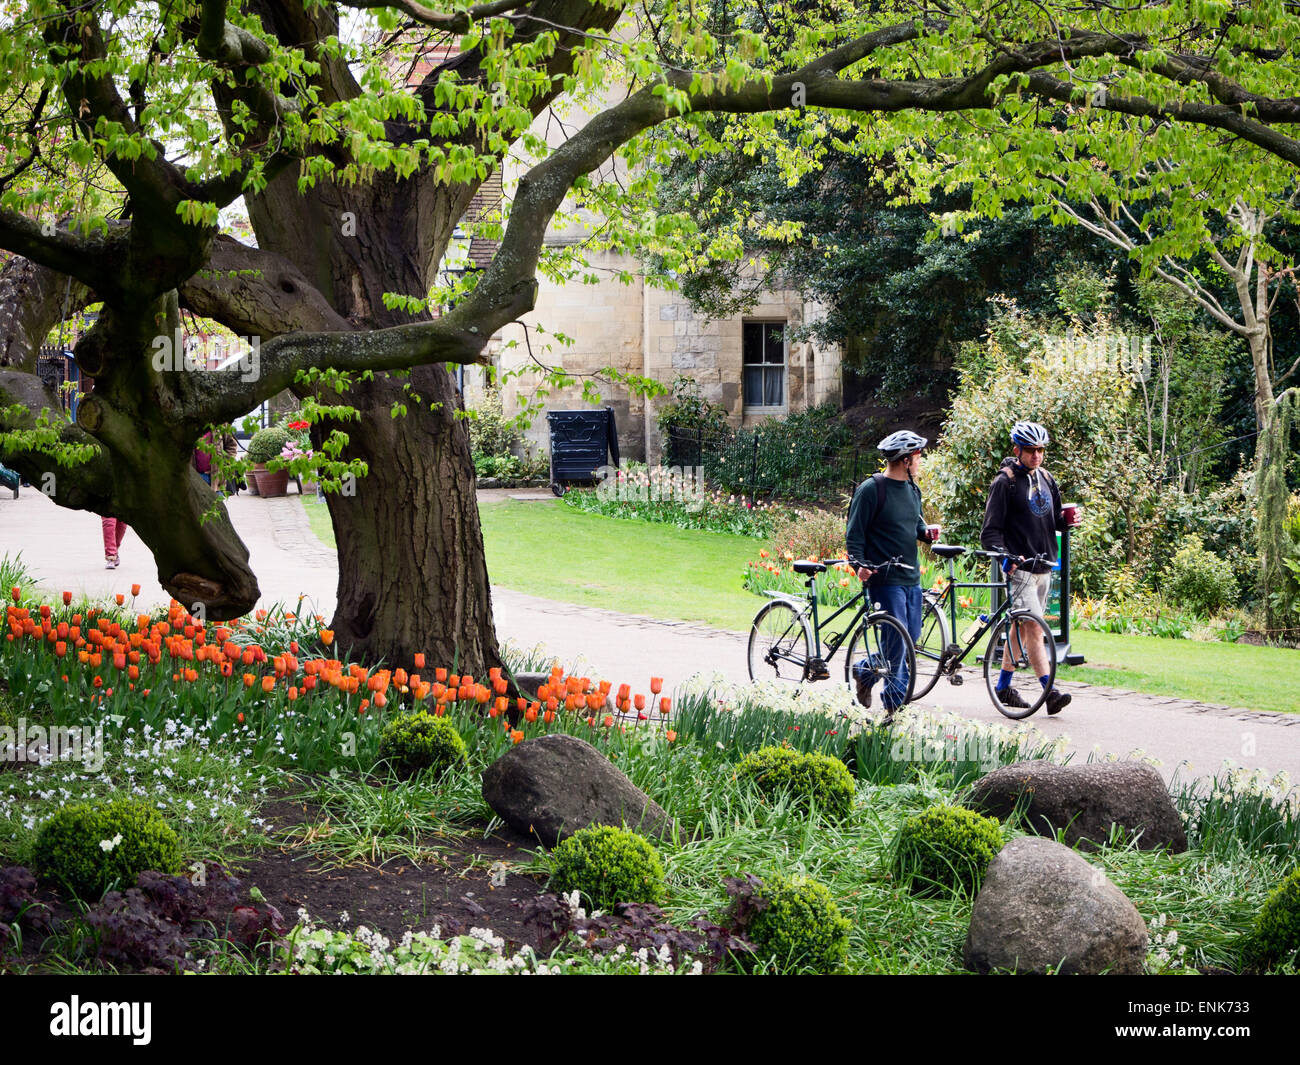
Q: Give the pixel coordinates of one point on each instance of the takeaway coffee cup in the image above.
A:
(1073, 513)
(932, 533)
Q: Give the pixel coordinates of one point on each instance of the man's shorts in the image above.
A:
(1030, 591)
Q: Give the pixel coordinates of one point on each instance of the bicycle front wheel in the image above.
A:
(1023, 644)
(779, 644)
(929, 648)
(881, 653)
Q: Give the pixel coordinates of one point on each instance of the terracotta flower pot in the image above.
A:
(251, 478)
(272, 482)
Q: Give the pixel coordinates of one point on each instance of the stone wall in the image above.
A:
(647, 331)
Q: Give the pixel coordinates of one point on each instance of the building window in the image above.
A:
(763, 349)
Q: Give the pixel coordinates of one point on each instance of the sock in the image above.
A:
(1043, 681)
(1004, 679)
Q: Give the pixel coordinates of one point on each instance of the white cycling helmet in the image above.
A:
(1029, 434)
(901, 444)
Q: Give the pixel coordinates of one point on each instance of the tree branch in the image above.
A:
(456, 22)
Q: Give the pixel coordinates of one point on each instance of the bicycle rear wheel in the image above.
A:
(929, 648)
(779, 644)
(1021, 633)
(881, 650)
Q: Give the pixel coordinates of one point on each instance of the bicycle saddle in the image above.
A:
(947, 550)
(804, 566)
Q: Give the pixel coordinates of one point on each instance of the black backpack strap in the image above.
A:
(879, 478)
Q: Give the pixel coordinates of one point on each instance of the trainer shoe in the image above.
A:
(1057, 701)
(1009, 697)
(864, 690)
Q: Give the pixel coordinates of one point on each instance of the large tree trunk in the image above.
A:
(412, 575)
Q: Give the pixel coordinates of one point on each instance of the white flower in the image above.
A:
(107, 845)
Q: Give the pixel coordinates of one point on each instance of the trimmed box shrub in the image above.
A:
(86, 849)
(410, 743)
(798, 924)
(946, 848)
(608, 865)
(266, 444)
(1277, 928)
(809, 779)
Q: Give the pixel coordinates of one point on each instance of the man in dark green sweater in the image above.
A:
(885, 522)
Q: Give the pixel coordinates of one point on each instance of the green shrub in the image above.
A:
(608, 865)
(690, 418)
(1277, 928)
(267, 444)
(491, 433)
(805, 533)
(799, 925)
(806, 455)
(87, 850)
(946, 847)
(412, 742)
(1198, 580)
(810, 779)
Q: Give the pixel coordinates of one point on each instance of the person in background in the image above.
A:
(885, 522)
(1021, 519)
(114, 530)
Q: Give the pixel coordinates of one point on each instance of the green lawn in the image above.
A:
(548, 550)
(1257, 678)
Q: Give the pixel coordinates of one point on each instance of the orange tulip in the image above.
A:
(61, 648)
(670, 735)
(656, 685)
(293, 694)
(419, 659)
(67, 599)
(240, 717)
(119, 598)
(327, 636)
(530, 715)
(639, 702)
(516, 736)
(16, 592)
(609, 720)
(381, 700)
(549, 716)
(308, 683)
(268, 684)
(665, 704)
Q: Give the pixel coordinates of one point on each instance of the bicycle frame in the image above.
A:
(954, 654)
(836, 640)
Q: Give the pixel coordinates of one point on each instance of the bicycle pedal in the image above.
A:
(956, 680)
(818, 670)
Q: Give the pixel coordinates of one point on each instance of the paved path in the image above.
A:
(63, 548)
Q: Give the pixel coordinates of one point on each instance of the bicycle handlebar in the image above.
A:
(895, 563)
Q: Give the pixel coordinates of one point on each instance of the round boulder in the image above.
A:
(1044, 908)
(554, 785)
(1084, 801)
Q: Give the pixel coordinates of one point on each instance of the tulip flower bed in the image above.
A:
(225, 727)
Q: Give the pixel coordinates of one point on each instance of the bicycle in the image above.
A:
(937, 654)
(783, 646)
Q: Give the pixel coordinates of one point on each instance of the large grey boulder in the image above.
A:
(1044, 907)
(1084, 801)
(554, 785)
